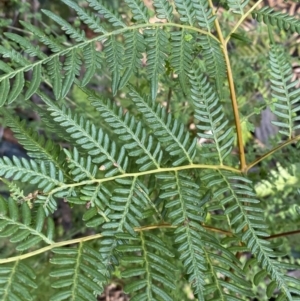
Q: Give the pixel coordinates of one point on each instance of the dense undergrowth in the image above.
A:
(142, 136)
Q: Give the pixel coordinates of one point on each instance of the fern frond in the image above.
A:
(276, 18)
(157, 41)
(78, 36)
(134, 49)
(17, 281)
(93, 60)
(30, 172)
(112, 18)
(203, 14)
(156, 271)
(125, 209)
(96, 195)
(71, 67)
(10, 93)
(17, 194)
(48, 40)
(182, 195)
(27, 46)
(169, 132)
(93, 140)
(237, 6)
(181, 55)
(285, 91)
(16, 223)
(54, 69)
(86, 16)
(139, 10)
(163, 9)
(35, 144)
(96, 216)
(15, 57)
(131, 132)
(114, 58)
(186, 11)
(80, 168)
(247, 219)
(128, 203)
(5, 67)
(210, 114)
(224, 276)
(214, 61)
(77, 270)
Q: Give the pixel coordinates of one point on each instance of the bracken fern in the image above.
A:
(146, 186)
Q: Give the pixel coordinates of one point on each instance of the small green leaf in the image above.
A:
(4, 90)
(35, 81)
(29, 243)
(13, 210)
(17, 87)
(270, 288)
(26, 214)
(40, 218)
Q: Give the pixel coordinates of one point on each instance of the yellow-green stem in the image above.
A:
(234, 104)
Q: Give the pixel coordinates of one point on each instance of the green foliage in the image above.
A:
(161, 191)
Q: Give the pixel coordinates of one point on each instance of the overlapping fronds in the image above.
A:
(240, 204)
(151, 175)
(77, 270)
(139, 10)
(183, 197)
(36, 145)
(21, 226)
(93, 140)
(186, 11)
(164, 10)
(45, 176)
(112, 17)
(168, 131)
(81, 168)
(61, 75)
(212, 127)
(151, 265)
(157, 51)
(203, 14)
(17, 280)
(131, 133)
(86, 16)
(237, 6)
(214, 61)
(276, 18)
(124, 210)
(134, 49)
(181, 55)
(224, 274)
(285, 92)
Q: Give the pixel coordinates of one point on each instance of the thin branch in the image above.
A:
(271, 152)
(234, 104)
(241, 20)
(92, 237)
(283, 234)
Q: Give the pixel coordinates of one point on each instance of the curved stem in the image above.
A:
(234, 104)
(241, 20)
(271, 152)
(92, 237)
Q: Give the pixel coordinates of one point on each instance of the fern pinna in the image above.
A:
(149, 189)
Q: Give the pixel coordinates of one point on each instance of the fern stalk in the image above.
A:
(243, 164)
